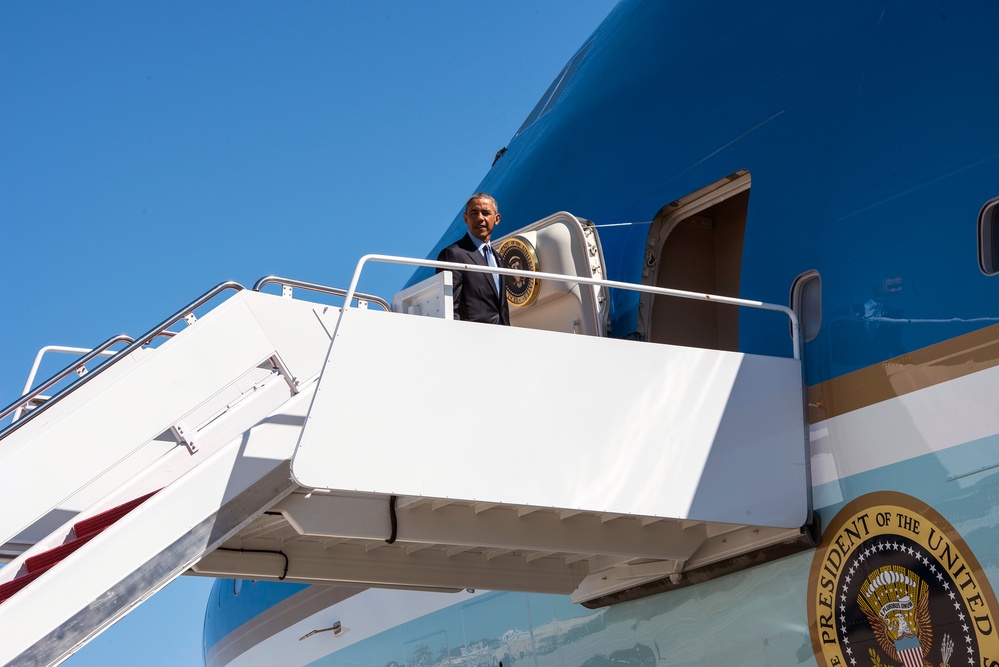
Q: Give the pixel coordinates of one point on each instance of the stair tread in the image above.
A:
(49, 558)
(85, 530)
(11, 587)
(98, 522)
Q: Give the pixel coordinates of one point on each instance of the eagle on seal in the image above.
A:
(905, 635)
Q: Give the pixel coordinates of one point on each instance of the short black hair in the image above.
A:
(482, 195)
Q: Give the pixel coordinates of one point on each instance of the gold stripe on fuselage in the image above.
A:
(935, 364)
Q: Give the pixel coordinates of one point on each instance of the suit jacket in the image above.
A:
(475, 295)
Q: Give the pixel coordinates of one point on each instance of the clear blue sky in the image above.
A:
(151, 150)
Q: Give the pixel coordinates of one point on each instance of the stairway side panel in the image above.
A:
(63, 456)
(562, 421)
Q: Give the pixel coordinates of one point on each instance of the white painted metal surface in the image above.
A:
(432, 297)
(560, 421)
(566, 246)
(146, 549)
(234, 381)
(80, 370)
(93, 430)
(571, 464)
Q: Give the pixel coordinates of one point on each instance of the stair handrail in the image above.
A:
(159, 330)
(540, 275)
(28, 394)
(325, 289)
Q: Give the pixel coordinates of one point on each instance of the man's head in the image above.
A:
(481, 215)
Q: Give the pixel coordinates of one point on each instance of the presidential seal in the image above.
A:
(893, 585)
(518, 253)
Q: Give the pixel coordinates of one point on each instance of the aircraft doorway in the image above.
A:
(695, 244)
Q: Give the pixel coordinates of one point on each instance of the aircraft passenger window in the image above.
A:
(988, 238)
(806, 302)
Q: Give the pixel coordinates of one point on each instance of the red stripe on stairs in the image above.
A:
(85, 530)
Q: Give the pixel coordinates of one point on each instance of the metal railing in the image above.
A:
(21, 416)
(349, 295)
(665, 291)
(324, 289)
(79, 367)
(157, 331)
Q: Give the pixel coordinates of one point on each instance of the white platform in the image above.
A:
(562, 421)
(428, 453)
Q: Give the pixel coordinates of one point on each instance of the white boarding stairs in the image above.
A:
(275, 438)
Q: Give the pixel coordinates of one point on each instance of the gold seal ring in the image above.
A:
(518, 253)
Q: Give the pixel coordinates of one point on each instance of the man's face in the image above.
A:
(480, 218)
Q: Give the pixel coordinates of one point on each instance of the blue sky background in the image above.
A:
(151, 150)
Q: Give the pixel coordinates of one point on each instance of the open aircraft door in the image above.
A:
(560, 243)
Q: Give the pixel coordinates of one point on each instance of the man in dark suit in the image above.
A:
(478, 297)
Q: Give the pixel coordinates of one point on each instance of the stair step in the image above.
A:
(85, 531)
(47, 559)
(95, 524)
(14, 585)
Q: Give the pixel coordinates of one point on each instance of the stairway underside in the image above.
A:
(450, 545)
(681, 460)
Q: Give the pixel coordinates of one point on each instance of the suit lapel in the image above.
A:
(468, 245)
(476, 257)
